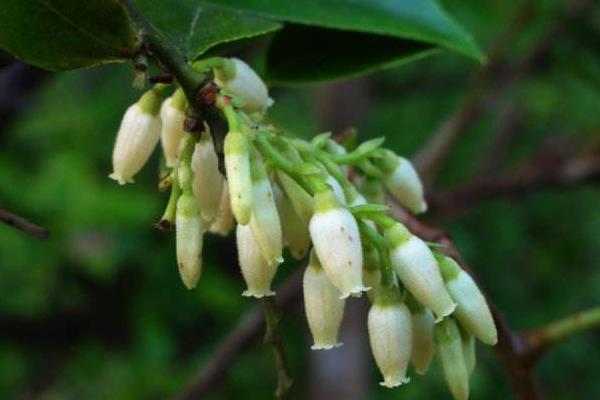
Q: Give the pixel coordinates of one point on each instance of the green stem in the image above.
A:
(558, 331)
(230, 115)
(387, 272)
(273, 337)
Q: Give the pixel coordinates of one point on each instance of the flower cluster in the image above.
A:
(316, 198)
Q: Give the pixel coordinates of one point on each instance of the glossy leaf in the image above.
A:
(419, 20)
(66, 34)
(195, 26)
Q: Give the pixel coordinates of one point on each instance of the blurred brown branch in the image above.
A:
(556, 165)
(24, 225)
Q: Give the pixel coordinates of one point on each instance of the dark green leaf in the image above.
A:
(66, 34)
(195, 27)
(301, 54)
(419, 20)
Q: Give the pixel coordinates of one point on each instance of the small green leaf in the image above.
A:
(369, 208)
(67, 34)
(195, 27)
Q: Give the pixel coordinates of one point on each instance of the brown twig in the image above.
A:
(555, 166)
(243, 336)
(24, 225)
(273, 337)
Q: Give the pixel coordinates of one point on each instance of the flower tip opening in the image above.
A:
(356, 291)
(446, 312)
(258, 295)
(392, 383)
(119, 178)
(321, 346)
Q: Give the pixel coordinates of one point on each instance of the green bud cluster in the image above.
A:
(313, 197)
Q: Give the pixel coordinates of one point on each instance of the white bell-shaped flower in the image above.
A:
(449, 346)
(207, 182)
(257, 272)
(390, 334)
(423, 347)
(418, 270)
(294, 230)
(324, 309)
(472, 311)
(264, 222)
(335, 236)
(189, 232)
(246, 85)
(172, 114)
(225, 221)
(403, 182)
(237, 166)
(137, 137)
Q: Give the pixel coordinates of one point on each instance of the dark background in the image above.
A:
(98, 310)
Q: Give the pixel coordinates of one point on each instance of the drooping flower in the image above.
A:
(189, 232)
(449, 346)
(137, 137)
(245, 84)
(335, 236)
(390, 334)
(418, 270)
(402, 181)
(423, 347)
(294, 230)
(172, 115)
(257, 272)
(264, 221)
(472, 311)
(237, 166)
(225, 221)
(324, 309)
(207, 182)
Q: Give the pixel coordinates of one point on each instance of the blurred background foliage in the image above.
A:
(98, 310)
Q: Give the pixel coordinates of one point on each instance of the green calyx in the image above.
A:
(151, 101)
(387, 161)
(178, 100)
(325, 200)
(258, 172)
(397, 234)
(187, 206)
(236, 143)
(448, 267)
(446, 331)
(387, 296)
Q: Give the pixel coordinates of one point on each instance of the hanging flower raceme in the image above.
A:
(323, 306)
(137, 137)
(280, 191)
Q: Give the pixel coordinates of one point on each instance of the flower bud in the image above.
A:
(336, 240)
(423, 346)
(472, 311)
(224, 222)
(372, 189)
(402, 181)
(390, 334)
(257, 272)
(301, 201)
(137, 137)
(468, 347)
(324, 309)
(294, 230)
(188, 234)
(207, 182)
(237, 166)
(418, 270)
(449, 346)
(246, 85)
(264, 222)
(172, 114)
